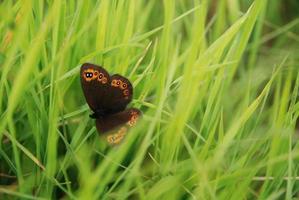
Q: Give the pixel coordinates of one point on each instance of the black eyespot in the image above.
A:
(117, 82)
(89, 75)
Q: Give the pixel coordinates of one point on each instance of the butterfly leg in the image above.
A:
(93, 115)
(97, 114)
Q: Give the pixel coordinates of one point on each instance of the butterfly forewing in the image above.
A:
(95, 82)
(120, 94)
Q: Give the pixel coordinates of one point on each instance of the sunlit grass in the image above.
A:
(217, 82)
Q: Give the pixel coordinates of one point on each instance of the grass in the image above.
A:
(217, 82)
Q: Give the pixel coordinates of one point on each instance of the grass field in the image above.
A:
(217, 82)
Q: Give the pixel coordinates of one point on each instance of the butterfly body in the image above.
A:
(108, 96)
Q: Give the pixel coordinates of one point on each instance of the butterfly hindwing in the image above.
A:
(117, 136)
(117, 124)
(110, 122)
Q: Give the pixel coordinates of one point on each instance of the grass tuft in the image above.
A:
(217, 82)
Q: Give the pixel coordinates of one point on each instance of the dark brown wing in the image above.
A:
(95, 82)
(110, 122)
(117, 124)
(119, 95)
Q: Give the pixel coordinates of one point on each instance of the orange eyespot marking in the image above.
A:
(123, 86)
(117, 137)
(133, 119)
(116, 83)
(89, 74)
(96, 73)
(132, 122)
(126, 92)
(134, 113)
(113, 83)
(104, 80)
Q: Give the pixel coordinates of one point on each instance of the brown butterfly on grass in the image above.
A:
(108, 97)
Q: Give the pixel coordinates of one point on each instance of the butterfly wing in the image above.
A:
(117, 124)
(120, 94)
(95, 82)
(105, 94)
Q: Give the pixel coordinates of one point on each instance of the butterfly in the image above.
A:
(108, 96)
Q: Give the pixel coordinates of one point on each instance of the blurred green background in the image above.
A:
(217, 82)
